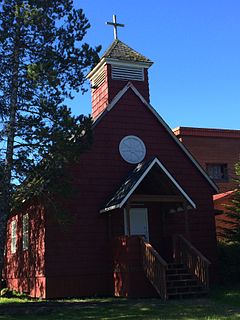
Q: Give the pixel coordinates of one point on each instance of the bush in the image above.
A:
(229, 262)
(232, 231)
(7, 293)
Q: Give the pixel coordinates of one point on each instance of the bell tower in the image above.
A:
(118, 65)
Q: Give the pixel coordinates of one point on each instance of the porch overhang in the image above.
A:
(125, 193)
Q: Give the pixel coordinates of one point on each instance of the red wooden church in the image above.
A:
(142, 210)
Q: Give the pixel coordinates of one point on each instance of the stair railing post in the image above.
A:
(187, 232)
(128, 219)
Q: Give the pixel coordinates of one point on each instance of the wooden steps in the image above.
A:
(181, 284)
(174, 280)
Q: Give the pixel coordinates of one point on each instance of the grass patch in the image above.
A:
(227, 295)
(14, 300)
(222, 304)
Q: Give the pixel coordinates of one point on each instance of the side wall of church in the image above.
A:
(25, 268)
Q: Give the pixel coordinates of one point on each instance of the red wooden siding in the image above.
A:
(104, 94)
(24, 269)
(83, 254)
(129, 278)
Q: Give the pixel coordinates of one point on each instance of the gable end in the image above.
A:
(160, 119)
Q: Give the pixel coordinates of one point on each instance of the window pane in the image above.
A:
(14, 236)
(217, 172)
(25, 232)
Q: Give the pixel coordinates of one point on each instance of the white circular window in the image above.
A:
(132, 149)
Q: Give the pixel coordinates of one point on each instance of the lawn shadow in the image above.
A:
(117, 309)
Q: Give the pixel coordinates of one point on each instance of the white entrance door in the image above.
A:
(138, 222)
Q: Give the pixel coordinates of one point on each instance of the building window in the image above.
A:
(13, 236)
(25, 235)
(217, 171)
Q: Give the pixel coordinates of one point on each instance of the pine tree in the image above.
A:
(232, 231)
(42, 61)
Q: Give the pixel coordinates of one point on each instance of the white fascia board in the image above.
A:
(156, 161)
(129, 64)
(112, 103)
(98, 71)
(109, 208)
(95, 69)
(115, 62)
(137, 184)
(180, 144)
(176, 184)
(130, 192)
(119, 95)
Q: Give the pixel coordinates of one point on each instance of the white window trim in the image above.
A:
(25, 232)
(14, 236)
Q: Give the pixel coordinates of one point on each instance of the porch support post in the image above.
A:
(164, 222)
(109, 227)
(186, 220)
(128, 218)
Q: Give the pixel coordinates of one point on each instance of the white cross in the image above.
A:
(115, 25)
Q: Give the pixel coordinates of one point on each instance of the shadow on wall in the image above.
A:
(24, 268)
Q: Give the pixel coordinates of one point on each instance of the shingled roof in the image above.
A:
(127, 185)
(120, 51)
(132, 181)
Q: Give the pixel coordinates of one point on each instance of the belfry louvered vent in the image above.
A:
(127, 73)
(100, 78)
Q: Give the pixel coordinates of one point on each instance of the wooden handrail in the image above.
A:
(154, 267)
(194, 250)
(193, 259)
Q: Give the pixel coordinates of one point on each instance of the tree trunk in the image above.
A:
(7, 185)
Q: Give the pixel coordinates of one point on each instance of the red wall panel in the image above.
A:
(99, 173)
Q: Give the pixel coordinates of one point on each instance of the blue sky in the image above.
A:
(195, 47)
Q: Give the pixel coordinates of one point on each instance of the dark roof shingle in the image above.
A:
(129, 182)
(120, 51)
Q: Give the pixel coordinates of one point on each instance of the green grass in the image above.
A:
(226, 295)
(222, 304)
(12, 300)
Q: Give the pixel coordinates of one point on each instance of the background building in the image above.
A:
(217, 150)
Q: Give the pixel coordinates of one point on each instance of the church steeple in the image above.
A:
(118, 65)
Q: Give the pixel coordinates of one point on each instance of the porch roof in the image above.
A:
(133, 181)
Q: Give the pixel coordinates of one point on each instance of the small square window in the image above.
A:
(217, 171)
